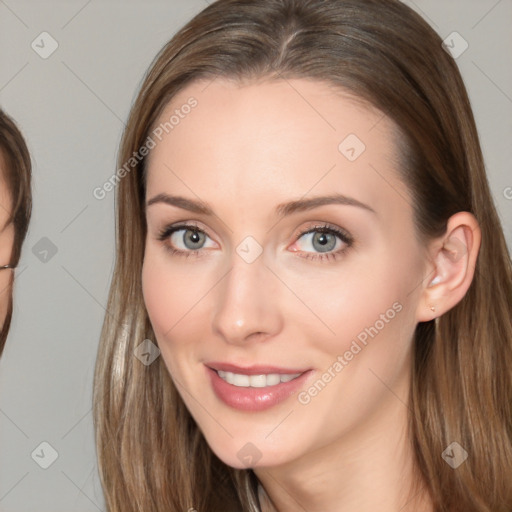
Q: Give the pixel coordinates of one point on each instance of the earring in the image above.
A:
(433, 308)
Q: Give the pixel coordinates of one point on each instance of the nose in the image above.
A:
(247, 303)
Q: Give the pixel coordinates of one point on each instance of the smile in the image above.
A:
(255, 381)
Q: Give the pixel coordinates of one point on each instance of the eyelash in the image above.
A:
(324, 228)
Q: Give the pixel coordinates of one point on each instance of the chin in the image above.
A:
(245, 454)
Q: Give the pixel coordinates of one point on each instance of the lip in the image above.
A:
(254, 369)
(255, 399)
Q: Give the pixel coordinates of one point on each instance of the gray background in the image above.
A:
(71, 107)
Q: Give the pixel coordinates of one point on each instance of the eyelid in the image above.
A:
(326, 226)
(321, 226)
(323, 257)
(318, 226)
(186, 224)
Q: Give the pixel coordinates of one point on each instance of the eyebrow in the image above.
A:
(283, 209)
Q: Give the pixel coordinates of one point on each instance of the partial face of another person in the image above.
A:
(6, 241)
(328, 291)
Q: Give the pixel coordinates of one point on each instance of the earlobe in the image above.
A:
(453, 260)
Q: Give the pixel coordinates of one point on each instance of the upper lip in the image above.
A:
(254, 369)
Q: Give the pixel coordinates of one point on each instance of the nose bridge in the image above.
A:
(247, 302)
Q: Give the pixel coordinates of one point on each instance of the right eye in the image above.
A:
(184, 239)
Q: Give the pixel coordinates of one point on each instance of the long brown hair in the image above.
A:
(152, 456)
(17, 176)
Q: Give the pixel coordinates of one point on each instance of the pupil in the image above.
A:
(194, 237)
(325, 243)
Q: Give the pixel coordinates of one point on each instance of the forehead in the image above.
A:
(278, 139)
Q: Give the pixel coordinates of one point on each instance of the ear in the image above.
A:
(451, 267)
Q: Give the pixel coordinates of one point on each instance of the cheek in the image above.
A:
(6, 275)
(365, 312)
(344, 301)
(175, 297)
(5, 293)
(166, 293)
(329, 308)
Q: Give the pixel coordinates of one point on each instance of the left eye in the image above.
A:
(323, 239)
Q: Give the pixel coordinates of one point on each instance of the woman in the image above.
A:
(306, 232)
(15, 211)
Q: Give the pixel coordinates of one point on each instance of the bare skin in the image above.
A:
(244, 150)
(6, 242)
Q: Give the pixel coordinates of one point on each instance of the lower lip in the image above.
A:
(254, 399)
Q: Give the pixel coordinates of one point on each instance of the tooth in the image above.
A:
(289, 377)
(258, 381)
(273, 379)
(241, 380)
(255, 381)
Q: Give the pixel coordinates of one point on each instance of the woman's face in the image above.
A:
(246, 288)
(6, 241)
